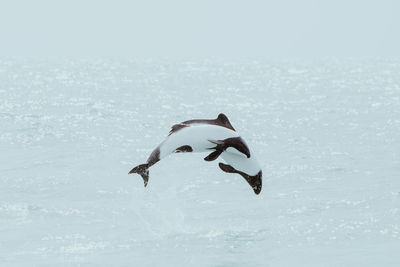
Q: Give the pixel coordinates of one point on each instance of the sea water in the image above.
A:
(326, 133)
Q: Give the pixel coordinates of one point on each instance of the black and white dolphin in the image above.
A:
(216, 135)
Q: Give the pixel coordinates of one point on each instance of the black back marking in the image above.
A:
(254, 181)
(154, 157)
(222, 120)
(185, 148)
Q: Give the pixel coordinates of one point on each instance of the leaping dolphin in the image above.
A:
(216, 135)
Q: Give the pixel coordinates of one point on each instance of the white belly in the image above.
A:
(240, 162)
(195, 136)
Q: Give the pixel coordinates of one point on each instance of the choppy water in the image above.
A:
(327, 134)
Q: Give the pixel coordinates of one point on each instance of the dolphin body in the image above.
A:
(217, 136)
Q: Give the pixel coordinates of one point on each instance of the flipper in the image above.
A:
(219, 148)
(213, 156)
(226, 168)
(185, 148)
(254, 181)
(143, 170)
(235, 142)
(217, 142)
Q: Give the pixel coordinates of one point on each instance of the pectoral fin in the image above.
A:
(254, 181)
(217, 142)
(235, 142)
(226, 168)
(213, 156)
(185, 148)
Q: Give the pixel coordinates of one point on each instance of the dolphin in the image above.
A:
(208, 135)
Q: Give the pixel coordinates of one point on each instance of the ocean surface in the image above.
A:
(326, 133)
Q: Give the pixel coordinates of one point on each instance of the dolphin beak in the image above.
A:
(247, 152)
(256, 183)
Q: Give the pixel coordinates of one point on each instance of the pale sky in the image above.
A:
(169, 28)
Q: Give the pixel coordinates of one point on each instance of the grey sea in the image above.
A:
(326, 133)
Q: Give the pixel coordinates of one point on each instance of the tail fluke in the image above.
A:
(143, 170)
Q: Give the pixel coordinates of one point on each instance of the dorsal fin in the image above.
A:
(223, 120)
